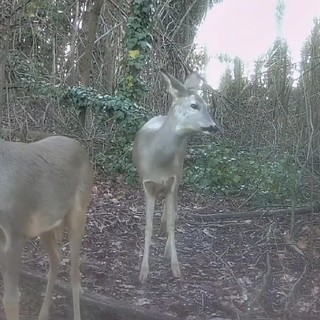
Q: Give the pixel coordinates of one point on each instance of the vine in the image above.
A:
(120, 108)
(137, 44)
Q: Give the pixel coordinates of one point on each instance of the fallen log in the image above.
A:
(254, 214)
(109, 308)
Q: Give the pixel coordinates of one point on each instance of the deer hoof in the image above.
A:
(176, 270)
(143, 275)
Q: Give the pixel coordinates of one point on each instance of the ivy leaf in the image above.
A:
(134, 54)
(236, 178)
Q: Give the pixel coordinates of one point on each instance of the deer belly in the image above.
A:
(39, 223)
(159, 188)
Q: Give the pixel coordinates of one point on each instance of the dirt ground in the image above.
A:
(231, 269)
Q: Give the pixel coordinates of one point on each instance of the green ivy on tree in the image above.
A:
(137, 43)
(118, 107)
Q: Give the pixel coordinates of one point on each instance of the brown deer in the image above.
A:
(45, 187)
(158, 153)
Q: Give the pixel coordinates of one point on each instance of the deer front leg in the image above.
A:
(150, 203)
(76, 229)
(50, 243)
(170, 250)
(10, 273)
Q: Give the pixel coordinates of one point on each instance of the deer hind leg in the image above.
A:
(11, 266)
(170, 250)
(149, 190)
(76, 229)
(174, 184)
(51, 245)
(163, 224)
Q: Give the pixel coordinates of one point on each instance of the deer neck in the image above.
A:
(169, 141)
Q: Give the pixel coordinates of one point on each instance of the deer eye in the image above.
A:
(194, 106)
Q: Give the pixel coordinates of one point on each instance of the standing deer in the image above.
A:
(158, 153)
(45, 186)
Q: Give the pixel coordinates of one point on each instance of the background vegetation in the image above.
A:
(90, 69)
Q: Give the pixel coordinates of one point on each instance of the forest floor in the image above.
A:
(231, 269)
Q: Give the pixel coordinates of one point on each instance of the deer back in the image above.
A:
(40, 181)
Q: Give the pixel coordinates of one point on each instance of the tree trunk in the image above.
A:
(2, 82)
(4, 31)
(70, 64)
(85, 62)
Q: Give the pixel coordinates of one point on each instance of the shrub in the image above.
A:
(221, 167)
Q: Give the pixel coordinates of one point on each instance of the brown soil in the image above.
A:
(231, 269)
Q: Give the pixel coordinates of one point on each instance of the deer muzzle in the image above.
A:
(210, 129)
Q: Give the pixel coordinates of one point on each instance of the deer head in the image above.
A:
(188, 110)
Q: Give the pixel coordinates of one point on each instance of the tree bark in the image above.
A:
(2, 83)
(4, 31)
(85, 62)
(70, 64)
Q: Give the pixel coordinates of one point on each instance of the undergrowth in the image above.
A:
(261, 177)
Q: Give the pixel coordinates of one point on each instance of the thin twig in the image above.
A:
(290, 306)
(258, 295)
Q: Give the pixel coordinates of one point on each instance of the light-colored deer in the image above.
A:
(158, 153)
(45, 186)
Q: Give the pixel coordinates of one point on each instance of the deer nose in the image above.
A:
(210, 129)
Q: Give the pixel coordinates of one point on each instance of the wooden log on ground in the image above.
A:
(111, 308)
(254, 214)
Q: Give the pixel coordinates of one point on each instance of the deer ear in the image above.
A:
(175, 87)
(193, 81)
